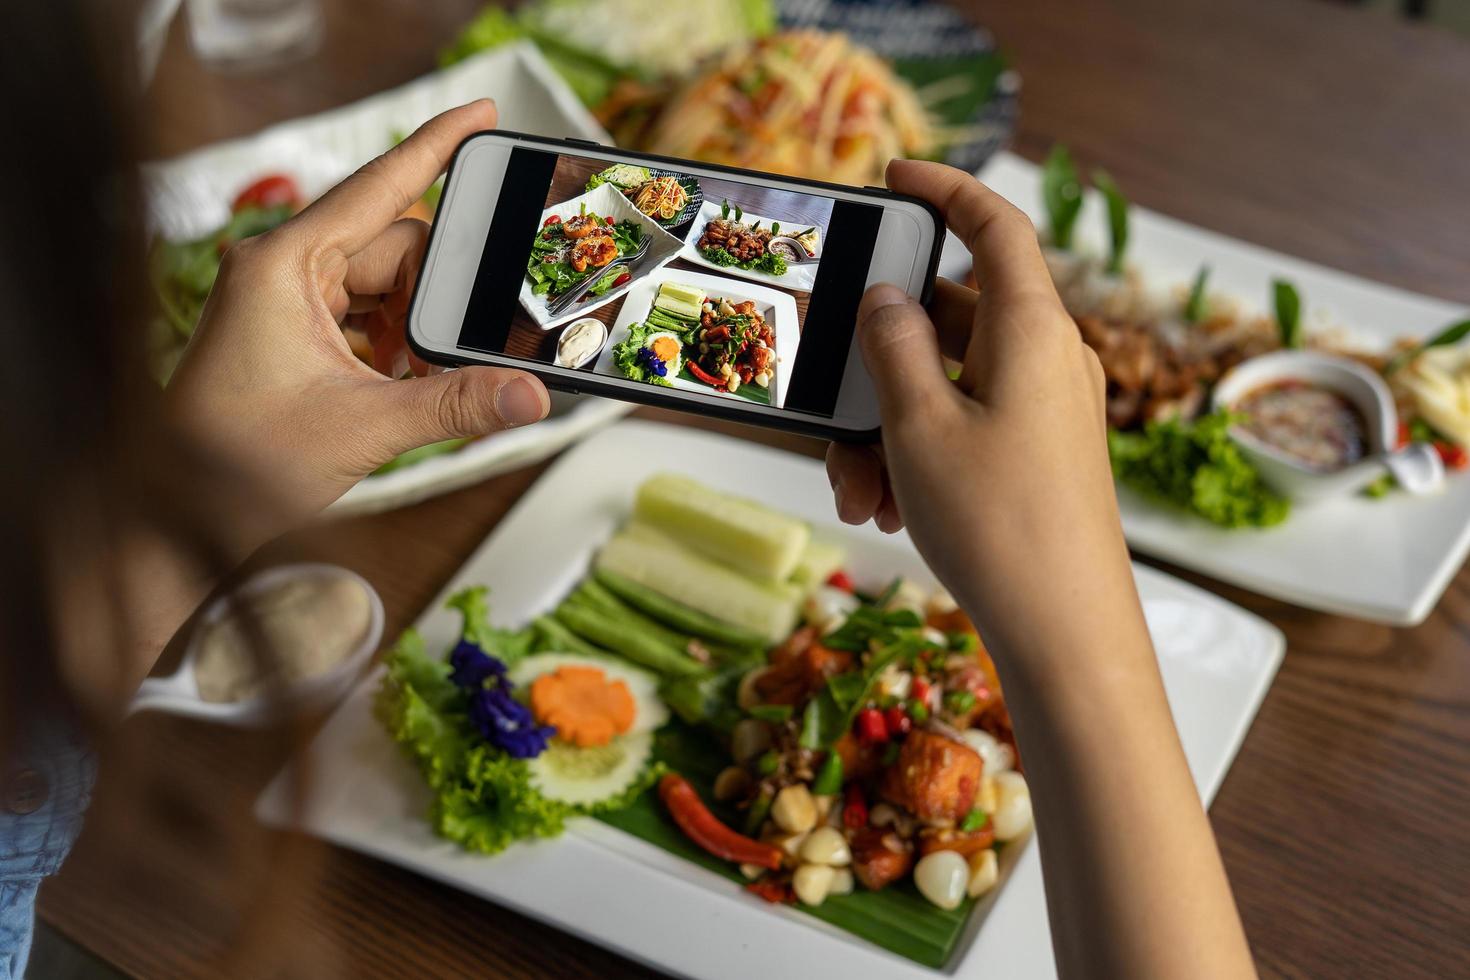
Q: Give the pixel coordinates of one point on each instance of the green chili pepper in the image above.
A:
(829, 779)
(974, 820)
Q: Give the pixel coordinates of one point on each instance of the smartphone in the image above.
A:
(685, 285)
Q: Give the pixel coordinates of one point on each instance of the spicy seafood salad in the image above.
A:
(570, 249)
(720, 686)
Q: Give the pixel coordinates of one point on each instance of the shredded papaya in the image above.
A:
(583, 706)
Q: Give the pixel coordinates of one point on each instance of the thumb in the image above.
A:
(460, 404)
(901, 350)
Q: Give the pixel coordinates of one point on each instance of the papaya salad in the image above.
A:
(720, 686)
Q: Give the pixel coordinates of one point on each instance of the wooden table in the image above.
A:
(1345, 822)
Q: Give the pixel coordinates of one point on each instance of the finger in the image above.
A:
(901, 351)
(356, 211)
(1001, 237)
(389, 262)
(459, 404)
(953, 311)
(384, 271)
(888, 519)
(856, 474)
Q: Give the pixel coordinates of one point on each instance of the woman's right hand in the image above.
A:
(1002, 476)
(1003, 480)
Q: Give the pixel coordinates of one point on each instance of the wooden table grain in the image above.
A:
(1318, 129)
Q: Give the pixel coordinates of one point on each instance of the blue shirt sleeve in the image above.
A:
(44, 790)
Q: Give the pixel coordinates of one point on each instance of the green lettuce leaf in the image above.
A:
(1197, 467)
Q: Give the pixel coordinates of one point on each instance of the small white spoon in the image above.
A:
(178, 693)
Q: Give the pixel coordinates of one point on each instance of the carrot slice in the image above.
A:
(582, 705)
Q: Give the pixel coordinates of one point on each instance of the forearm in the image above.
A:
(1133, 877)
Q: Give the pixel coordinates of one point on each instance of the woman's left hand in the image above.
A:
(269, 383)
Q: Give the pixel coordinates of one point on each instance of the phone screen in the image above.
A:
(730, 289)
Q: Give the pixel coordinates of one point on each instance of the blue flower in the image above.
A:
(470, 666)
(506, 723)
(653, 362)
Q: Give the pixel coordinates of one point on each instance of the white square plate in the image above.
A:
(1387, 560)
(778, 308)
(624, 893)
(607, 201)
(190, 196)
(803, 276)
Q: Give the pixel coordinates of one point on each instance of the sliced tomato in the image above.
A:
(553, 220)
(270, 191)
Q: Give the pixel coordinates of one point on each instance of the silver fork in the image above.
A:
(564, 302)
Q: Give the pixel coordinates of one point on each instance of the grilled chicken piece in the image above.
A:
(880, 857)
(581, 226)
(935, 778)
(596, 252)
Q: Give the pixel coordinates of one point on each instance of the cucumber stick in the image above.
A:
(734, 531)
(653, 560)
(817, 563)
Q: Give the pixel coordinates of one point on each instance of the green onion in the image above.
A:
(974, 820)
(1288, 313)
(1452, 334)
(829, 779)
(768, 763)
(1194, 307)
(964, 642)
(1117, 218)
(958, 702)
(918, 711)
(1061, 188)
(756, 815)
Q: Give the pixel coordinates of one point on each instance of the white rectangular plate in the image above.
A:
(605, 200)
(777, 307)
(1387, 560)
(802, 276)
(190, 195)
(628, 895)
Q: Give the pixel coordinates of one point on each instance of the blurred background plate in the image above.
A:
(190, 195)
(955, 67)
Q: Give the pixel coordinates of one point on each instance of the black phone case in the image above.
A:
(591, 386)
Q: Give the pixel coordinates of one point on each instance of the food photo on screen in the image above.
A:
(693, 283)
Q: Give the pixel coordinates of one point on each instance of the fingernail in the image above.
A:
(519, 403)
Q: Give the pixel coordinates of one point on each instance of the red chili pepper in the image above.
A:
(775, 892)
(841, 580)
(703, 375)
(268, 192)
(870, 726)
(854, 808)
(553, 220)
(705, 830)
(898, 721)
(608, 220)
(1404, 435)
(1453, 456)
(622, 279)
(921, 691)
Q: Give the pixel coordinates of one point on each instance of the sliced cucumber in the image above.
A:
(743, 534)
(650, 710)
(656, 561)
(584, 777)
(820, 559)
